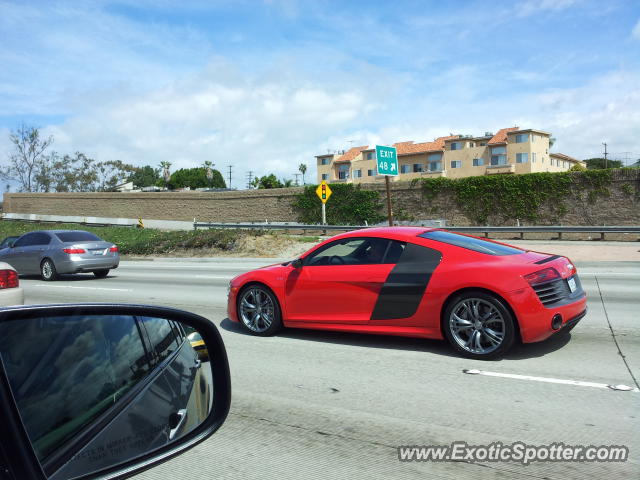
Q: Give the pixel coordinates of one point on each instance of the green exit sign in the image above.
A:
(387, 160)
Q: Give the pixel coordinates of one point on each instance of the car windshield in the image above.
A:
(67, 237)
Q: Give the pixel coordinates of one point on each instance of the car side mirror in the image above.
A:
(297, 263)
(106, 390)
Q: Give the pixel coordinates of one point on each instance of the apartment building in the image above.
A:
(509, 151)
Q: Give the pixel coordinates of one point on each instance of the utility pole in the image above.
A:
(229, 167)
(296, 175)
(605, 154)
(249, 179)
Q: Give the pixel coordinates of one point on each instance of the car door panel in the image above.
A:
(334, 293)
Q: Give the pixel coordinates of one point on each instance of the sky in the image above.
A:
(266, 85)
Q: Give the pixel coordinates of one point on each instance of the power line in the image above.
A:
(297, 175)
(249, 179)
(605, 154)
(229, 167)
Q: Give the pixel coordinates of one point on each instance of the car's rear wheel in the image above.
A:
(478, 325)
(48, 270)
(101, 273)
(259, 311)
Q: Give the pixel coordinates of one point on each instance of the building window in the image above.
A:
(370, 156)
(417, 167)
(498, 156)
(405, 168)
(456, 146)
(533, 157)
(478, 162)
(533, 138)
(357, 174)
(456, 163)
(522, 138)
(343, 172)
(325, 176)
(435, 166)
(483, 144)
(324, 161)
(471, 144)
(371, 172)
(522, 157)
(434, 157)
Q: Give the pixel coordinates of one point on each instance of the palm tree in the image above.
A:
(303, 169)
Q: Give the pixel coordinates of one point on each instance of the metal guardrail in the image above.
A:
(559, 229)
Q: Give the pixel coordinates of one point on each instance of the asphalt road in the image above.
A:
(335, 405)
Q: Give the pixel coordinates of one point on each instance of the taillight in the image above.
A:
(74, 250)
(113, 249)
(8, 279)
(542, 276)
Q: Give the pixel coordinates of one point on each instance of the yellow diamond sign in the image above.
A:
(323, 191)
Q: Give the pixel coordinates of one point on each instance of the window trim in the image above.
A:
(305, 260)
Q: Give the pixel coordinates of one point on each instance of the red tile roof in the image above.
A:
(410, 148)
(501, 136)
(351, 154)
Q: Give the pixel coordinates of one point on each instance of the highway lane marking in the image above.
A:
(611, 274)
(562, 381)
(151, 276)
(84, 288)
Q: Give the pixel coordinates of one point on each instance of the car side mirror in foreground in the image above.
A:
(106, 390)
(297, 263)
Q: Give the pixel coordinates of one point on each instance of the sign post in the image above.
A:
(324, 192)
(387, 164)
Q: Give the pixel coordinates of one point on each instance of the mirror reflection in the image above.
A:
(97, 391)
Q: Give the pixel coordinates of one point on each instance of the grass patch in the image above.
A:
(138, 241)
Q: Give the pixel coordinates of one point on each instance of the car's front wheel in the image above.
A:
(101, 273)
(259, 311)
(478, 325)
(48, 270)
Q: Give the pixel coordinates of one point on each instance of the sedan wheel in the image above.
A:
(259, 311)
(48, 270)
(479, 326)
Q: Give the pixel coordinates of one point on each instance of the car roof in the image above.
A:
(55, 231)
(399, 233)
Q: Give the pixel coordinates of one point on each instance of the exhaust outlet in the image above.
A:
(556, 321)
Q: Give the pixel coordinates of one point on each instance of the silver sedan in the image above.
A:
(53, 252)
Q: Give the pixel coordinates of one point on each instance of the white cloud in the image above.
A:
(635, 33)
(530, 7)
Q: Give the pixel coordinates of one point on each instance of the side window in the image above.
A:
(24, 241)
(88, 365)
(350, 251)
(395, 250)
(162, 337)
(41, 239)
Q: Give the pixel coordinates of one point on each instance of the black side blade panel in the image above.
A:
(403, 290)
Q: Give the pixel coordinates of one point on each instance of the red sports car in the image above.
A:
(479, 294)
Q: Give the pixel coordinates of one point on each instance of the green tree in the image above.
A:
(303, 169)
(196, 178)
(599, 163)
(28, 160)
(146, 176)
(268, 181)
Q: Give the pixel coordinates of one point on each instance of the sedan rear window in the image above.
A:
(470, 243)
(77, 237)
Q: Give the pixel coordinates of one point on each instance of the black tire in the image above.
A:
(48, 270)
(482, 328)
(101, 273)
(261, 314)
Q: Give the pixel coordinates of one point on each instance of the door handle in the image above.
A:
(175, 422)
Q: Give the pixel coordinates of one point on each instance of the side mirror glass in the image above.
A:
(297, 263)
(97, 389)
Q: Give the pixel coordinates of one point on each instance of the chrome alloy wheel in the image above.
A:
(477, 326)
(256, 309)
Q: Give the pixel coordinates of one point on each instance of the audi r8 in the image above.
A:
(480, 295)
